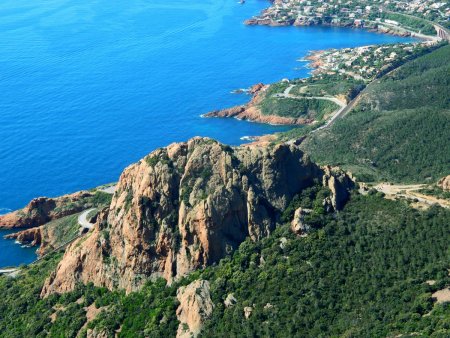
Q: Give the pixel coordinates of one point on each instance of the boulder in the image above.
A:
(444, 183)
(230, 300)
(248, 312)
(195, 307)
(298, 224)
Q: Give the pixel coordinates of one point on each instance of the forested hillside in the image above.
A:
(369, 271)
(399, 131)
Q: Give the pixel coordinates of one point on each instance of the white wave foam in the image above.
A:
(4, 211)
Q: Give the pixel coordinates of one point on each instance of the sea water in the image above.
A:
(89, 86)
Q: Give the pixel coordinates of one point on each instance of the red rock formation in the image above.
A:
(42, 210)
(30, 237)
(251, 111)
(195, 308)
(182, 208)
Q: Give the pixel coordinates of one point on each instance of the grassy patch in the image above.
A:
(295, 108)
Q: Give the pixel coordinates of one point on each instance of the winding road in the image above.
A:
(344, 108)
(83, 221)
(286, 94)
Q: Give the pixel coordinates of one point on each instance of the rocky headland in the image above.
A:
(186, 206)
(252, 112)
(42, 210)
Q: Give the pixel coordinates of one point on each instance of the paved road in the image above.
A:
(286, 95)
(85, 226)
(441, 32)
(109, 190)
(83, 221)
(341, 112)
(344, 108)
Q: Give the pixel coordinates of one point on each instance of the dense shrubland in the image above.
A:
(361, 272)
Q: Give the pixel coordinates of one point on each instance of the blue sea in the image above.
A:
(90, 86)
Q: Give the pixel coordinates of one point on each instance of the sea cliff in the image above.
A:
(185, 207)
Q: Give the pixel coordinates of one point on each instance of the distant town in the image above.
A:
(361, 63)
(418, 17)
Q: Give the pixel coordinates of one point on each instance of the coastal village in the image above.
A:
(361, 63)
(410, 17)
(337, 78)
(317, 98)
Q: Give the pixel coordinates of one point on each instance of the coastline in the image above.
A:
(251, 112)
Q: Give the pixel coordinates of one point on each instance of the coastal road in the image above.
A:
(286, 94)
(441, 32)
(83, 221)
(82, 218)
(109, 190)
(85, 226)
(344, 108)
(341, 112)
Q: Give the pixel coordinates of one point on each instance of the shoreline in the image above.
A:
(378, 28)
(250, 110)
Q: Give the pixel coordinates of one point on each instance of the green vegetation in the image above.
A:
(101, 199)
(360, 273)
(295, 108)
(185, 195)
(310, 198)
(61, 231)
(329, 85)
(399, 131)
(152, 160)
(412, 23)
(24, 314)
(128, 200)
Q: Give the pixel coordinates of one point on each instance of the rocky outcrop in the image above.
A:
(184, 207)
(195, 308)
(230, 300)
(444, 183)
(256, 88)
(42, 210)
(30, 237)
(248, 312)
(252, 112)
(298, 224)
(96, 333)
(340, 184)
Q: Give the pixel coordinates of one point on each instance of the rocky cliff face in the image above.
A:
(195, 308)
(42, 210)
(30, 237)
(182, 208)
